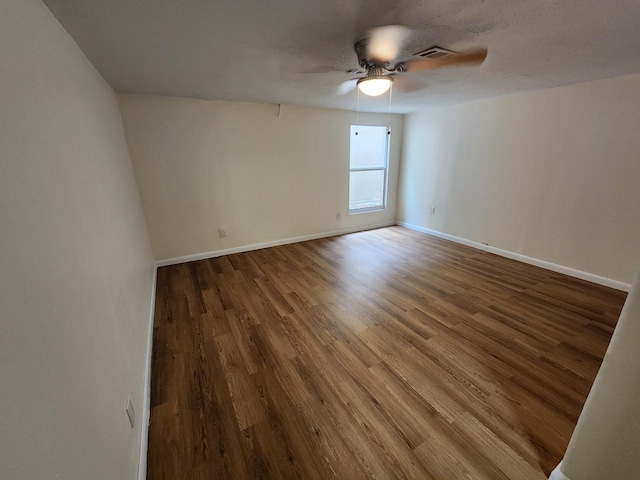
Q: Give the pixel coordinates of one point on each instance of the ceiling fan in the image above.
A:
(378, 54)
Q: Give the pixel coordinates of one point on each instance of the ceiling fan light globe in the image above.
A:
(374, 86)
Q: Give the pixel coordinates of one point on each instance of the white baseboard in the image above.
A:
(274, 243)
(590, 277)
(146, 406)
(557, 474)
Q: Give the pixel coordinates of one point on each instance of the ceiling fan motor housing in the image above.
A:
(365, 60)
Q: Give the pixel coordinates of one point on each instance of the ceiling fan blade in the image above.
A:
(407, 84)
(384, 43)
(346, 87)
(470, 58)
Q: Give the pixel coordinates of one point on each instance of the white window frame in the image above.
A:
(384, 168)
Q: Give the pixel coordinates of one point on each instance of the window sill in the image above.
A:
(367, 210)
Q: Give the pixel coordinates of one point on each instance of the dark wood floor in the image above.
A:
(381, 354)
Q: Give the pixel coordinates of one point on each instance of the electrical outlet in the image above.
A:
(131, 413)
(432, 209)
(338, 216)
(222, 232)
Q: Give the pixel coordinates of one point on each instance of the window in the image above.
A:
(368, 168)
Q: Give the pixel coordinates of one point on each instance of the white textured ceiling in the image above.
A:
(280, 51)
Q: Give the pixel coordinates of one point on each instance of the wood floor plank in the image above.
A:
(384, 354)
(244, 396)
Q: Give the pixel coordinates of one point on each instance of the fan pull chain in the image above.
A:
(389, 118)
(357, 110)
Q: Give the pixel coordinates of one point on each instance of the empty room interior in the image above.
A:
(357, 239)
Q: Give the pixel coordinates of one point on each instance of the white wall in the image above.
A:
(553, 175)
(202, 165)
(75, 261)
